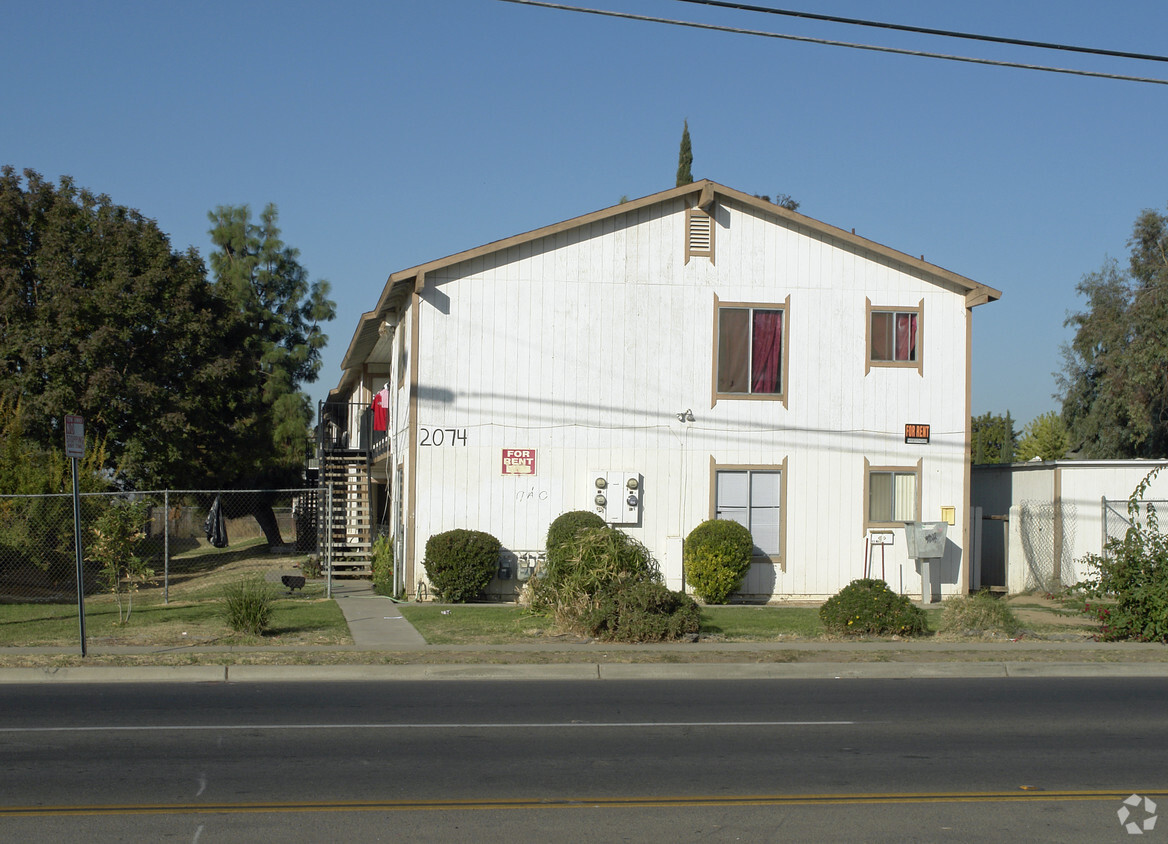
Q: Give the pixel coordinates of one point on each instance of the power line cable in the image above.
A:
(830, 43)
(994, 39)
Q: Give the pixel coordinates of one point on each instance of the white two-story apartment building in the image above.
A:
(694, 354)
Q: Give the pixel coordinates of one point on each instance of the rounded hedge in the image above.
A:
(868, 607)
(460, 563)
(716, 555)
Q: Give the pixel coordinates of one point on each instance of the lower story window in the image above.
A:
(753, 498)
(892, 496)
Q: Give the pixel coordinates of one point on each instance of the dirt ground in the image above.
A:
(1042, 612)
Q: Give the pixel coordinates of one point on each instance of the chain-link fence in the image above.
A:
(1048, 539)
(1116, 518)
(186, 543)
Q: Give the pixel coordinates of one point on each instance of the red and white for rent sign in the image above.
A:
(519, 461)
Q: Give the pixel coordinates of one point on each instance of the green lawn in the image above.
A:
(468, 624)
(476, 624)
(295, 621)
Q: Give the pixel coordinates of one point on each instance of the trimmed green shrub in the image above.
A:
(641, 611)
(247, 604)
(381, 561)
(717, 555)
(868, 607)
(460, 563)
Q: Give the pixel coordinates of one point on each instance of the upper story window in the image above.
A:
(894, 336)
(751, 352)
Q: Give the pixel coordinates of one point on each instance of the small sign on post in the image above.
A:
(75, 437)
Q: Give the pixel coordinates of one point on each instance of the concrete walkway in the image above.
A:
(374, 620)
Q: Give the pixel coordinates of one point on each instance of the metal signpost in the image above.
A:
(75, 450)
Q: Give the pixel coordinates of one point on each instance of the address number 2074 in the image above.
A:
(443, 436)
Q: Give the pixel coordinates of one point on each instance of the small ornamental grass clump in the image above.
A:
(978, 613)
(717, 556)
(542, 588)
(247, 604)
(460, 563)
(607, 585)
(868, 607)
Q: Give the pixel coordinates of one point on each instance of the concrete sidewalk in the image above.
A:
(375, 622)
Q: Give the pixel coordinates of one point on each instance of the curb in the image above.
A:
(580, 671)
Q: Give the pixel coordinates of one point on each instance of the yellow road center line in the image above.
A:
(646, 802)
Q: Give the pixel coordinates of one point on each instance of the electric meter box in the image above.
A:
(616, 496)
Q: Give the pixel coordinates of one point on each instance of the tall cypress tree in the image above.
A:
(684, 158)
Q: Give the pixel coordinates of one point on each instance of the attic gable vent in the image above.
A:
(699, 234)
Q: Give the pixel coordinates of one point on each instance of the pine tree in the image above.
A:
(280, 314)
(685, 159)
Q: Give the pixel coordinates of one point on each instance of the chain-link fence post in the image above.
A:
(166, 546)
(328, 542)
(1103, 524)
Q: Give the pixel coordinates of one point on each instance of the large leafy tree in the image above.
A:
(994, 438)
(100, 316)
(1045, 437)
(1114, 383)
(188, 383)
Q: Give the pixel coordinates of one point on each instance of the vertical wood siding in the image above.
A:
(584, 346)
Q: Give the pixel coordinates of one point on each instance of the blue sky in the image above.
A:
(391, 133)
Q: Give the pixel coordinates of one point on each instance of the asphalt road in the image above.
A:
(792, 760)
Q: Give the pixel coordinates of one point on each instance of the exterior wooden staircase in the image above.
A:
(346, 533)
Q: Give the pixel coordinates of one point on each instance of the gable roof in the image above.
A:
(403, 282)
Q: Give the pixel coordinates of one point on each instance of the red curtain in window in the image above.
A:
(906, 336)
(766, 352)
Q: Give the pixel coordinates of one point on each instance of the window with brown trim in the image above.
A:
(755, 496)
(894, 336)
(892, 495)
(751, 350)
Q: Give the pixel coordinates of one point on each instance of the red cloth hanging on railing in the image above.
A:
(381, 410)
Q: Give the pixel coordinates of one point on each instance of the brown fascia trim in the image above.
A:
(706, 191)
(976, 294)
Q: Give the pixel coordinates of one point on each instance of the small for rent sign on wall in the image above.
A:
(519, 461)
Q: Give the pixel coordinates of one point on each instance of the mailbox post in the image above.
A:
(926, 542)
